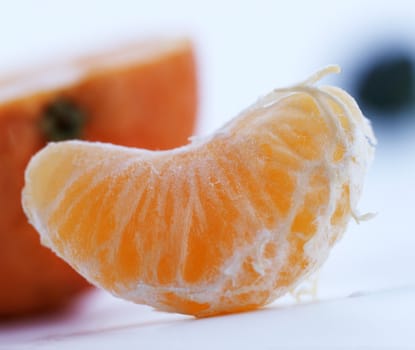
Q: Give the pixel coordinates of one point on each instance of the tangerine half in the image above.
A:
(142, 94)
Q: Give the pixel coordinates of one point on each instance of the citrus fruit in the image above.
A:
(226, 223)
(142, 94)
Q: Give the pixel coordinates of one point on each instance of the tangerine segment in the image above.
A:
(224, 224)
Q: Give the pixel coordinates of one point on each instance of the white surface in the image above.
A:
(246, 49)
(383, 319)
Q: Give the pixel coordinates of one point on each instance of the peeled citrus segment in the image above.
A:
(224, 224)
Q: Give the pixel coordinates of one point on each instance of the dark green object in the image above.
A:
(388, 84)
(62, 120)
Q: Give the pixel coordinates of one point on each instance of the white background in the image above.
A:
(246, 48)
